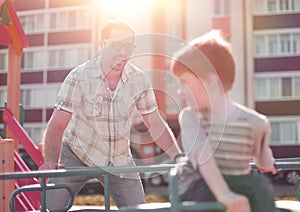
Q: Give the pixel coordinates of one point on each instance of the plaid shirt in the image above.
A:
(99, 130)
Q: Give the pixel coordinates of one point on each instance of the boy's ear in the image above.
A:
(211, 79)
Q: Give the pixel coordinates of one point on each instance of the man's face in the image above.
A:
(117, 49)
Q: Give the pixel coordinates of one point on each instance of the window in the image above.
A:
(261, 88)
(38, 97)
(284, 131)
(285, 43)
(221, 7)
(296, 43)
(283, 4)
(297, 86)
(33, 59)
(33, 22)
(3, 60)
(3, 96)
(276, 6)
(273, 50)
(271, 5)
(70, 19)
(277, 87)
(34, 132)
(274, 88)
(25, 97)
(65, 57)
(277, 44)
(286, 84)
(260, 45)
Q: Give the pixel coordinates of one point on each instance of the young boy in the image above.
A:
(219, 136)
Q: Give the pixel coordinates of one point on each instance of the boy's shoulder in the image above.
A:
(250, 115)
(188, 115)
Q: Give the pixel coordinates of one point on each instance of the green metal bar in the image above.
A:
(86, 171)
(290, 163)
(20, 190)
(106, 193)
(173, 189)
(43, 194)
(284, 164)
(297, 189)
(43, 187)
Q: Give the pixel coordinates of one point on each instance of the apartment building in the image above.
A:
(265, 37)
(276, 57)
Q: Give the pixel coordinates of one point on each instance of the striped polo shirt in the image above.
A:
(235, 141)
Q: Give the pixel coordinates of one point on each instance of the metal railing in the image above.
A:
(176, 205)
(87, 171)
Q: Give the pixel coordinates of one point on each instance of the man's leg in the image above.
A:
(58, 199)
(127, 190)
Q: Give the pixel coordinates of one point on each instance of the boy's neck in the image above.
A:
(223, 108)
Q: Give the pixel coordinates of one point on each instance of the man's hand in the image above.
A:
(235, 203)
(51, 166)
(180, 157)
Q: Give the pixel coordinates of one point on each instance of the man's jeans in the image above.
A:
(125, 191)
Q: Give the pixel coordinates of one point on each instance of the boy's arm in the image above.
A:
(264, 160)
(210, 172)
(200, 153)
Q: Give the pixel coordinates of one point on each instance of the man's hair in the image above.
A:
(209, 52)
(116, 24)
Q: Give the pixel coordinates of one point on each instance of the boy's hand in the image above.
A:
(273, 170)
(236, 203)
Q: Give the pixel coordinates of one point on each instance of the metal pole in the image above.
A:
(106, 192)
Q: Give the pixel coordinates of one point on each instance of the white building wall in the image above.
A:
(237, 40)
(199, 18)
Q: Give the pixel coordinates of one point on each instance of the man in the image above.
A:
(90, 125)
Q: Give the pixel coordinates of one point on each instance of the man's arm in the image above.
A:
(53, 138)
(162, 134)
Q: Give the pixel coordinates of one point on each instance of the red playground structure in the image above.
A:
(13, 36)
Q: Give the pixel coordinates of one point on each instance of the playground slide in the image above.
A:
(30, 200)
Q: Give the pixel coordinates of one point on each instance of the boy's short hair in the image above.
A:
(209, 52)
(115, 24)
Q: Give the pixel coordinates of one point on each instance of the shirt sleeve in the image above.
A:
(192, 135)
(69, 95)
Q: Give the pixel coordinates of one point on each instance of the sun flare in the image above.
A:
(125, 8)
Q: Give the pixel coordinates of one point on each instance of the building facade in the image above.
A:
(276, 57)
(265, 37)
